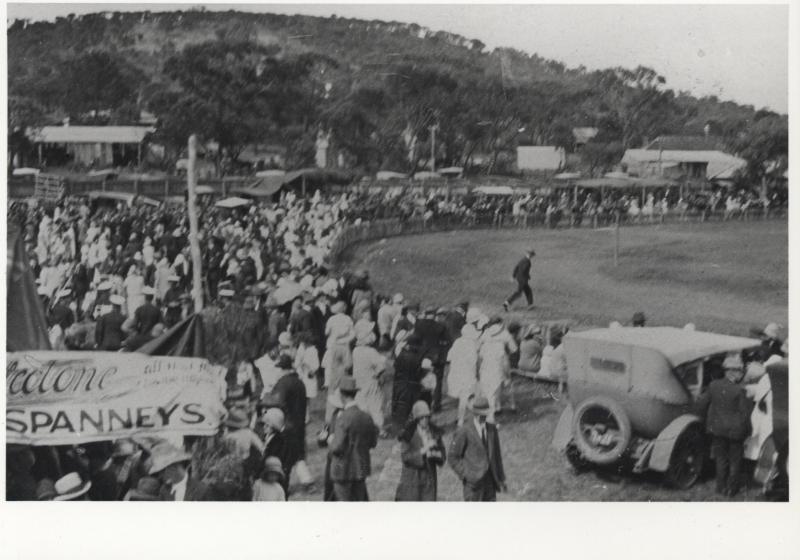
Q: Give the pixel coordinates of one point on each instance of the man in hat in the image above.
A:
(354, 436)
(727, 410)
(146, 315)
(108, 333)
(522, 276)
(301, 320)
(71, 488)
(475, 456)
(171, 466)
(290, 392)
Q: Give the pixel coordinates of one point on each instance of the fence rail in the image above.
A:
(354, 235)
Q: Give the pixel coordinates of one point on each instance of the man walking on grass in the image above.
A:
(522, 276)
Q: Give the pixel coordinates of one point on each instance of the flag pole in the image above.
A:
(194, 243)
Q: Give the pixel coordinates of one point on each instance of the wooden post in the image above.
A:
(224, 188)
(166, 189)
(616, 238)
(139, 154)
(194, 243)
(575, 196)
(40, 154)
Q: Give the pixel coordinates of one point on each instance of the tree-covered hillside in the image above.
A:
(376, 87)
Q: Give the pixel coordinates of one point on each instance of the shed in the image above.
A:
(540, 158)
(94, 145)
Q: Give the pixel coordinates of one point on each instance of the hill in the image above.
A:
(376, 87)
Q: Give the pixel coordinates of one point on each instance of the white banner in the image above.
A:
(59, 398)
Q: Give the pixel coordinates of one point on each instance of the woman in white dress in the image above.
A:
(495, 368)
(338, 357)
(368, 367)
(134, 284)
(463, 367)
(306, 364)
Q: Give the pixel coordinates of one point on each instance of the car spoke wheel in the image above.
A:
(687, 460)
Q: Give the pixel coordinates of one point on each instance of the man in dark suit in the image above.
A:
(455, 319)
(728, 422)
(301, 320)
(476, 458)
(290, 392)
(108, 334)
(354, 436)
(522, 276)
(146, 315)
(435, 344)
(61, 314)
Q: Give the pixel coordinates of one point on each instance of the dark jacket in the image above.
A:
(146, 317)
(301, 321)
(108, 333)
(728, 408)
(454, 321)
(470, 459)
(62, 315)
(522, 272)
(435, 340)
(354, 436)
(418, 480)
(290, 391)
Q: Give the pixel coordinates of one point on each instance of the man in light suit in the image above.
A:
(522, 276)
(355, 434)
(475, 456)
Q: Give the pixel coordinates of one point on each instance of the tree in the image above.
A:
(235, 93)
(765, 147)
(98, 81)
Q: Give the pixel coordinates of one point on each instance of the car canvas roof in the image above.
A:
(678, 346)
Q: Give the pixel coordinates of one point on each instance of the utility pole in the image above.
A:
(433, 128)
(194, 243)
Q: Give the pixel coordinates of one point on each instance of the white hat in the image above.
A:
(426, 364)
(226, 292)
(104, 286)
(137, 256)
(772, 330)
(64, 293)
(285, 339)
(71, 486)
(173, 278)
(117, 300)
(473, 315)
(398, 299)
(148, 291)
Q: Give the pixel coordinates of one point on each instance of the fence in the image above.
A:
(353, 235)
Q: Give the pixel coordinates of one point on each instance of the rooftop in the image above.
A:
(91, 134)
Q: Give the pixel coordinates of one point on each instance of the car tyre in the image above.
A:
(601, 411)
(688, 459)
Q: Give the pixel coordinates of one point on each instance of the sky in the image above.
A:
(736, 52)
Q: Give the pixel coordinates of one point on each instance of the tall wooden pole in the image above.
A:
(194, 243)
(616, 239)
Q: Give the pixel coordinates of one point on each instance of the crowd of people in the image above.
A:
(113, 279)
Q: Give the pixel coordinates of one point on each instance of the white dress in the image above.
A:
(496, 344)
(306, 364)
(368, 365)
(463, 360)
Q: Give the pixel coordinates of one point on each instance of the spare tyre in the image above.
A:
(601, 429)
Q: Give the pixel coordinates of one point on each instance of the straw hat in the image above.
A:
(480, 406)
(348, 386)
(226, 292)
(164, 454)
(772, 330)
(338, 307)
(173, 278)
(733, 362)
(365, 334)
(398, 299)
(274, 418)
(123, 448)
(104, 286)
(117, 300)
(66, 292)
(70, 486)
(426, 364)
(419, 410)
(148, 291)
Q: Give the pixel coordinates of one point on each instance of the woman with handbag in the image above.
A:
(422, 453)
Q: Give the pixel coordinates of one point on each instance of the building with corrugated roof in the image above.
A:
(92, 146)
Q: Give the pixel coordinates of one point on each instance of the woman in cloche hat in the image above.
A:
(422, 453)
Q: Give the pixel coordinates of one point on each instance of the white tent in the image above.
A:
(494, 190)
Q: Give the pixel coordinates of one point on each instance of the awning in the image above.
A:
(233, 202)
(268, 186)
(620, 183)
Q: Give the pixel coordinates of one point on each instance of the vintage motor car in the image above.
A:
(632, 398)
(768, 446)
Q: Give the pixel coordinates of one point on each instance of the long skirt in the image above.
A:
(338, 361)
(370, 399)
(405, 393)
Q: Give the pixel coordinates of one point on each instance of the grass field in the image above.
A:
(723, 277)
